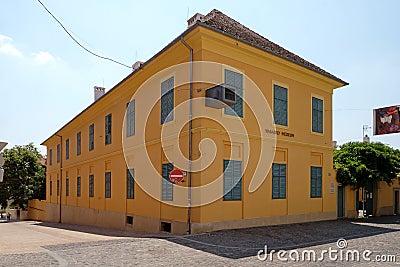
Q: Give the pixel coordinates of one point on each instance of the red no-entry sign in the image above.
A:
(176, 176)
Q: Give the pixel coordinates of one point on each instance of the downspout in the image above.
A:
(190, 137)
(61, 156)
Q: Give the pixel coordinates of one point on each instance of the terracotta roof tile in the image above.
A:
(221, 22)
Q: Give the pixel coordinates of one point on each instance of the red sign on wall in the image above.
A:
(176, 176)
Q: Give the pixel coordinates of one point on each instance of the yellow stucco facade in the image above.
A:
(295, 146)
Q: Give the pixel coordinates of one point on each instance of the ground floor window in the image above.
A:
(316, 182)
(91, 185)
(167, 187)
(232, 180)
(278, 180)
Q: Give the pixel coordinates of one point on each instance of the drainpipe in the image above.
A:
(190, 137)
(61, 156)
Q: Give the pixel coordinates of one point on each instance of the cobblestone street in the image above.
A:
(48, 244)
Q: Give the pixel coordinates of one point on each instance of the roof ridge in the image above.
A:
(222, 22)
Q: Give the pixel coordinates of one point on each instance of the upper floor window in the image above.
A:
(317, 115)
(58, 153)
(67, 149)
(78, 143)
(167, 100)
(236, 80)
(280, 105)
(51, 157)
(108, 128)
(130, 118)
(91, 137)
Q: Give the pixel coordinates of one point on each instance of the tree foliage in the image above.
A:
(24, 176)
(363, 163)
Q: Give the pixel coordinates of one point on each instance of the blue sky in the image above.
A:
(46, 79)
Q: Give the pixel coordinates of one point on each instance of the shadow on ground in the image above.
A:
(247, 242)
(241, 243)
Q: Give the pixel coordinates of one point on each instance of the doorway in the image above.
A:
(369, 201)
(340, 202)
(396, 202)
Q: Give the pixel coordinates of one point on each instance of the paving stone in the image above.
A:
(72, 245)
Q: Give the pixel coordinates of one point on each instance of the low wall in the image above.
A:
(36, 210)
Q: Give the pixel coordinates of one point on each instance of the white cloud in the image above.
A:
(6, 46)
(43, 57)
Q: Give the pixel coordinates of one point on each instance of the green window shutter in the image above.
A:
(78, 143)
(278, 180)
(67, 187)
(280, 105)
(236, 80)
(167, 187)
(108, 185)
(316, 182)
(232, 180)
(167, 100)
(91, 185)
(67, 149)
(317, 115)
(130, 183)
(91, 137)
(108, 129)
(78, 186)
(130, 118)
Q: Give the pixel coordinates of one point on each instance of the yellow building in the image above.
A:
(266, 159)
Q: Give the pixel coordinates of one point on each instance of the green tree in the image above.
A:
(24, 176)
(363, 163)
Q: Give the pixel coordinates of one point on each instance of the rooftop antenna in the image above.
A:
(187, 15)
(365, 135)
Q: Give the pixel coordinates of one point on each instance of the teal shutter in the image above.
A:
(167, 187)
(78, 186)
(130, 118)
(130, 183)
(108, 185)
(317, 115)
(236, 80)
(91, 185)
(232, 180)
(167, 100)
(108, 129)
(67, 187)
(78, 143)
(278, 180)
(316, 182)
(280, 105)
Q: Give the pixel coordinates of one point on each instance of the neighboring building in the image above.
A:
(88, 174)
(375, 200)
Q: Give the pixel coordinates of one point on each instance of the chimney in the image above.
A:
(194, 19)
(98, 92)
(137, 65)
(334, 144)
